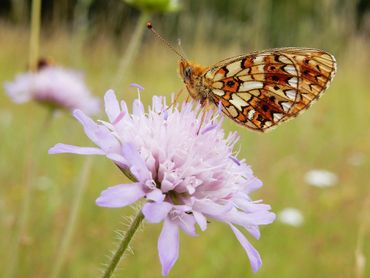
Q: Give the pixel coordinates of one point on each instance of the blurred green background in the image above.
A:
(93, 36)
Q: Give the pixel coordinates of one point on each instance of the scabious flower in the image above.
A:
(54, 86)
(184, 166)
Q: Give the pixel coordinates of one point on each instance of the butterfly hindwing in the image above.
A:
(263, 89)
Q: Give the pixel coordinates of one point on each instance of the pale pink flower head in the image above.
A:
(184, 167)
(54, 86)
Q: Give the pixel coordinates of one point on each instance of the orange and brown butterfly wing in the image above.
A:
(264, 89)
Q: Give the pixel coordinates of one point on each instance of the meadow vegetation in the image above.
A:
(334, 135)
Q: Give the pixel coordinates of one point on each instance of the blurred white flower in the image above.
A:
(321, 178)
(291, 216)
(53, 86)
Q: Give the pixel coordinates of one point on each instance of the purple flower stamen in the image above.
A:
(165, 114)
(137, 86)
(208, 128)
(235, 160)
(219, 108)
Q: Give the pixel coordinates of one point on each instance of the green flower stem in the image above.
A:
(132, 49)
(80, 29)
(35, 34)
(72, 218)
(123, 245)
(24, 214)
(20, 233)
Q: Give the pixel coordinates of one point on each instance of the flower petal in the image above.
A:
(124, 106)
(254, 231)
(112, 108)
(155, 195)
(120, 195)
(158, 104)
(207, 206)
(64, 148)
(138, 167)
(118, 159)
(168, 246)
(254, 184)
(201, 220)
(247, 219)
(252, 253)
(137, 108)
(187, 224)
(245, 204)
(156, 212)
(99, 134)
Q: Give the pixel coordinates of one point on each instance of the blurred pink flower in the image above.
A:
(188, 173)
(53, 86)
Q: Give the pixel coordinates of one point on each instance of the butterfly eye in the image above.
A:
(187, 73)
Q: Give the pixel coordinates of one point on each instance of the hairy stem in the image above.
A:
(123, 245)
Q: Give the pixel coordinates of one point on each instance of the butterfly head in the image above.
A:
(191, 75)
(186, 71)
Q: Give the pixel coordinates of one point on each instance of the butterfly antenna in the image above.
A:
(181, 48)
(151, 28)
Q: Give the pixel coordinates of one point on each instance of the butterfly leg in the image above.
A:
(207, 106)
(178, 94)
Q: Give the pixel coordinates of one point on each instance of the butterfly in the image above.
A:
(262, 89)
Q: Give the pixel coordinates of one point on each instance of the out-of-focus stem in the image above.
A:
(35, 34)
(80, 28)
(72, 218)
(27, 196)
(131, 50)
(22, 225)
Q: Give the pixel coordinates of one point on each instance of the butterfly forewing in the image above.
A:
(263, 89)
